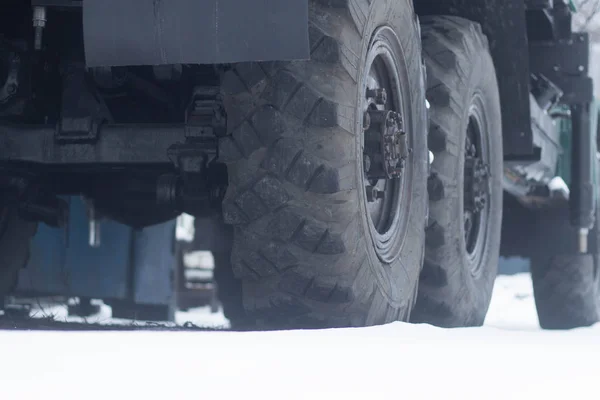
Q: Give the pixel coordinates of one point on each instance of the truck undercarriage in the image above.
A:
(151, 109)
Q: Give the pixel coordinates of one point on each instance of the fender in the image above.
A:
(158, 32)
(504, 23)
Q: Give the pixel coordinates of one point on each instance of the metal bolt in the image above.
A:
(581, 68)
(378, 95)
(389, 122)
(373, 194)
(11, 89)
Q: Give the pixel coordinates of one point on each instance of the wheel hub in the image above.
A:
(476, 187)
(386, 147)
(476, 180)
(386, 144)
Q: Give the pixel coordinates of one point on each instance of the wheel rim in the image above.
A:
(476, 188)
(386, 150)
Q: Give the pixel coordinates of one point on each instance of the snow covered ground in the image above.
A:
(513, 307)
(509, 358)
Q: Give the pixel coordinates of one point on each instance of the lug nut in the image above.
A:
(378, 95)
(373, 194)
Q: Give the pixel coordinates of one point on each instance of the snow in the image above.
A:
(508, 358)
(512, 306)
(199, 260)
(184, 228)
(201, 317)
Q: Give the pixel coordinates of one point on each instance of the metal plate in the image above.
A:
(143, 32)
(503, 21)
(153, 264)
(72, 268)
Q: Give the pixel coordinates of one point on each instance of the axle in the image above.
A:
(111, 145)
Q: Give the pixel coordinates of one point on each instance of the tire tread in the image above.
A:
(292, 197)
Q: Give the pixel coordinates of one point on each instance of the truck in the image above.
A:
(350, 162)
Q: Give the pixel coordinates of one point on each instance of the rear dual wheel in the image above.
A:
(465, 186)
(327, 163)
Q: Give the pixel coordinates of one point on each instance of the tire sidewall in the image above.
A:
(398, 279)
(480, 286)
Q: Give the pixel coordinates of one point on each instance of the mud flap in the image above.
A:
(157, 32)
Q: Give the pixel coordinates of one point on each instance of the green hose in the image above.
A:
(572, 6)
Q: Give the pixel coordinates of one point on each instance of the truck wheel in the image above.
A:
(15, 237)
(326, 233)
(566, 291)
(465, 187)
(566, 285)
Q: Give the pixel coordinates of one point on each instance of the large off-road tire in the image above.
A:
(566, 289)
(465, 188)
(566, 284)
(305, 244)
(15, 238)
